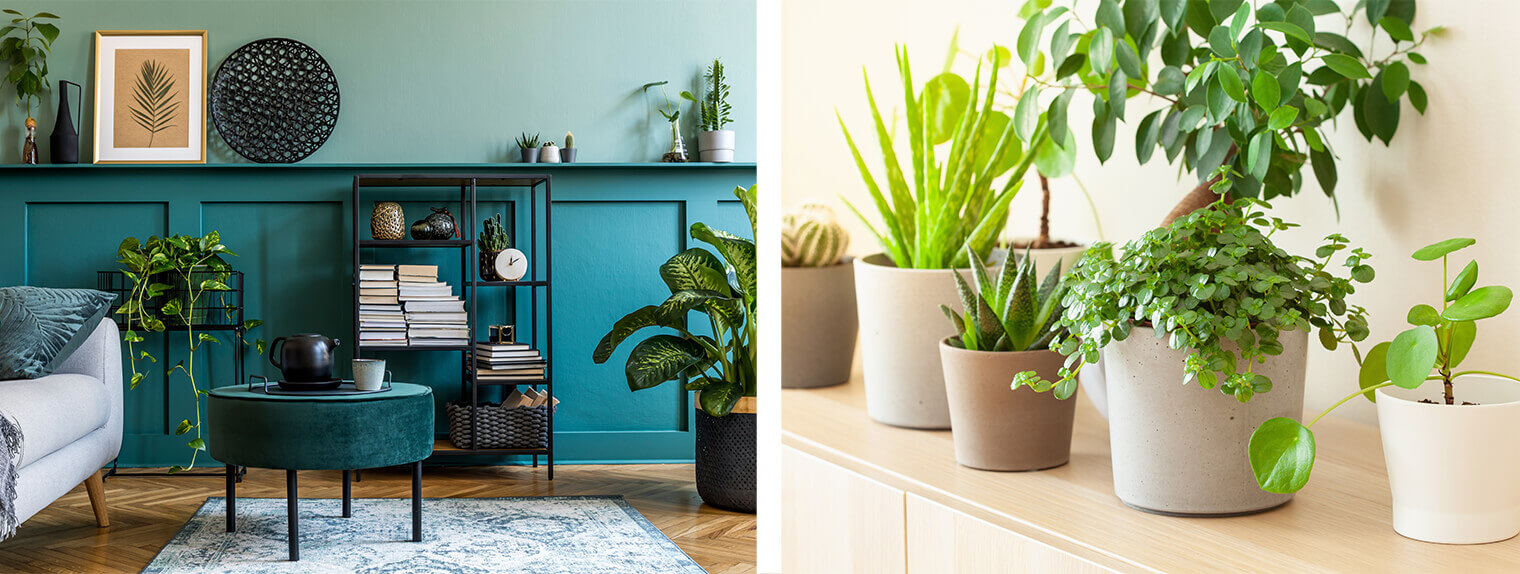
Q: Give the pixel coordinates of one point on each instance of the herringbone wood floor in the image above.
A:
(147, 512)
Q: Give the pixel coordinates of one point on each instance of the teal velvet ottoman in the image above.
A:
(250, 427)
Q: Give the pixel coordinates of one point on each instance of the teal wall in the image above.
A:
(613, 225)
(449, 80)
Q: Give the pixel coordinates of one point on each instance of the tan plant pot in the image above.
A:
(998, 428)
(1181, 449)
(818, 325)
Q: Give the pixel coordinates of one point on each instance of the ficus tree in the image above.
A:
(1247, 87)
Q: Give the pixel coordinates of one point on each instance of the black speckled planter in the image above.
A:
(726, 460)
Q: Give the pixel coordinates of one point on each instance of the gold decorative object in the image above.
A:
(387, 221)
(501, 334)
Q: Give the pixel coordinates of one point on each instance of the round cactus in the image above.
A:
(810, 237)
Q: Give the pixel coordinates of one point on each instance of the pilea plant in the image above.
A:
(1248, 87)
(943, 207)
(713, 106)
(1282, 450)
(1015, 312)
(1211, 276)
(812, 237)
(174, 280)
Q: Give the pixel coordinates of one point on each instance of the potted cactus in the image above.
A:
(528, 145)
(818, 322)
(567, 153)
(714, 143)
(493, 241)
(1008, 327)
(549, 153)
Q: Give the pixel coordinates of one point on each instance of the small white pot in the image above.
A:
(901, 327)
(1455, 479)
(548, 154)
(716, 146)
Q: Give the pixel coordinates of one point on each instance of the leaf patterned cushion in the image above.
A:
(41, 327)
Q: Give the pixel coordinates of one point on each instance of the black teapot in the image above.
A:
(304, 358)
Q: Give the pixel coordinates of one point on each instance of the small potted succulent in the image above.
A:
(818, 299)
(528, 145)
(1008, 325)
(1208, 301)
(714, 143)
(493, 241)
(1452, 483)
(567, 153)
(548, 153)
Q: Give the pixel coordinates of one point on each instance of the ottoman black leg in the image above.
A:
(348, 496)
(231, 498)
(292, 502)
(417, 501)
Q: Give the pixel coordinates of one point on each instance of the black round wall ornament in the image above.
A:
(274, 100)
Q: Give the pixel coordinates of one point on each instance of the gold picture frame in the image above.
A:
(159, 116)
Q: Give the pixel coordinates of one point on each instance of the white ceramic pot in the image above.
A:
(900, 330)
(548, 154)
(716, 146)
(1181, 449)
(1094, 387)
(818, 325)
(1044, 259)
(1455, 478)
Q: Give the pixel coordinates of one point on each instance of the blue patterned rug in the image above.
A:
(537, 535)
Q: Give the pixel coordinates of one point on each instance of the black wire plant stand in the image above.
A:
(471, 283)
(217, 310)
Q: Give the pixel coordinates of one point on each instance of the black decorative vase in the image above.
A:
(726, 451)
(65, 138)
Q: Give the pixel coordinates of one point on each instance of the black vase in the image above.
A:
(65, 138)
(726, 460)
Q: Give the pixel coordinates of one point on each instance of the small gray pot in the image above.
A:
(567, 155)
(529, 154)
(1181, 449)
(818, 325)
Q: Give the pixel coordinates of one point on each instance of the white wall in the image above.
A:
(1448, 173)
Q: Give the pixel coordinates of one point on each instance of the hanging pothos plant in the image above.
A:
(177, 281)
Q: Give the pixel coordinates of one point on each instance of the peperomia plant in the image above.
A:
(1282, 450)
(1210, 277)
(1247, 87)
(172, 279)
(942, 208)
(1015, 312)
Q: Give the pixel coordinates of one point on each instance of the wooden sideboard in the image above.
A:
(863, 497)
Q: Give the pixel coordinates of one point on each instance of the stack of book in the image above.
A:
(508, 362)
(381, 322)
(434, 315)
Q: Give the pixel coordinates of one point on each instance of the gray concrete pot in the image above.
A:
(818, 325)
(997, 428)
(1181, 449)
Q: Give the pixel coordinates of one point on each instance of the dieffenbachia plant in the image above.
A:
(1015, 312)
(948, 202)
(1210, 277)
(1282, 450)
(720, 365)
(1247, 88)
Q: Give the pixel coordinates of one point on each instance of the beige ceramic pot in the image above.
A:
(818, 325)
(1181, 449)
(998, 428)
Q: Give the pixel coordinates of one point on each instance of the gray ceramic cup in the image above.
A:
(370, 374)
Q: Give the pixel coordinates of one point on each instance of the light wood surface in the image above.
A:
(946, 541)
(848, 524)
(97, 492)
(148, 511)
(1340, 522)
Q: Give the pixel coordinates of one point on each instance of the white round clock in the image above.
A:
(511, 264)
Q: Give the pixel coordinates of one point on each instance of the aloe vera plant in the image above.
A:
(720, 365)
(946, 208)
(1012, 313)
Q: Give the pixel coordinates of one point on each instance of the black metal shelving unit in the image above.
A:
(470, 285)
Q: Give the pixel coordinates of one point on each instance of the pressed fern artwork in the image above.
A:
(154, 105)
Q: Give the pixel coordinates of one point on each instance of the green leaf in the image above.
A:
(1169, 81)
(1282, 117)
(184, 427)
(1337, 43)
(1464, 282)
(1481, 303)
(1110, 16)
(1347, 66)
(1172, 12)
(1282, 455)
(718, 400)
(1324, 169)
(1026, 116)
(1103, 137)
(1289, 30)
(1264, 90)
(1395, 80)
(695, 268)
(738, 253)
(1375, 10)
(1221, 42)
(1129, 61)
(945, 98)
(1411, 356)
(50, 32)
(1029, 39)
(1424, 315)
(1374, 369)
(197, 444)
(647, 316)
(1462, 335)
(1382, 115)
(1417, 97)
(1260, 154)
(1146, 136)
(1441, 249)
(1232, 85)
(660, 358)
(1056, 119)
(206, 337)
(1100, 51)
(1397, 29)
(176, 469)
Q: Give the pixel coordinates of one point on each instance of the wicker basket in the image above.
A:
(500, 427)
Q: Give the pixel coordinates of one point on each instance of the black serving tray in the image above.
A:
(268, 387)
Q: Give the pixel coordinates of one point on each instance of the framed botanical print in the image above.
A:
(150, 96)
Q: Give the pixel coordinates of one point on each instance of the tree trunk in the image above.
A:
(1195, 200)
(1043, 241)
